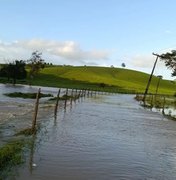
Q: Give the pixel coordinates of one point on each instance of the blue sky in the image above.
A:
(89, 32)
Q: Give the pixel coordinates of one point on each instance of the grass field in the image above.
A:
(101, 78)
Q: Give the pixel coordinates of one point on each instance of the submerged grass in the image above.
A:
(158, 101)
(26, 95)
(64, 97)
(11, 155)
(26, 132)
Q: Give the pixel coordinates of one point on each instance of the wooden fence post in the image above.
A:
(151, 100)
(66, 95)
(35, 111)
(79, 95)
(57, 103)
(91, 93)
(164, 101)
(71, 97)
(88, 92)
(84, 93)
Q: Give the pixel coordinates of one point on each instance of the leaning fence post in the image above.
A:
(164, 101)
(35, 111)
(57, 102)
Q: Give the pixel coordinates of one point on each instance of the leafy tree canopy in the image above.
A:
(169, 59)
(14, 70)
(35, 63)
(123, 65)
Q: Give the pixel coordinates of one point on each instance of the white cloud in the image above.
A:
(66, 51)
(144, 61)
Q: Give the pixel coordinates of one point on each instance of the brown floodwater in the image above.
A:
(109, 137)
(102, 137)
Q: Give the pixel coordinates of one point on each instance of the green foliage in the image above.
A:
(123, 65)
(35, 63)
(27, 95)
(15, 70)
(11, 155)
(26, 132)
(115, 79)
(84, 77)
(157, 100)
(64, 97)
(170, 61)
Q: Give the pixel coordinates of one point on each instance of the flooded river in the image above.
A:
(103, 137)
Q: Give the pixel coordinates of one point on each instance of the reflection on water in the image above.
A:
(17, 113)
(109, 137)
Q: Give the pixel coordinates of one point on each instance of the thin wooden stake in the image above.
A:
(84, 92)
(164, 101)
(66, 99)
(57, 103)
(79, 95)
(88, 92)
(91, 93)
(35, 111)
(71, 97)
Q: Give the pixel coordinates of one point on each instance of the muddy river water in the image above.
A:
(103, 137)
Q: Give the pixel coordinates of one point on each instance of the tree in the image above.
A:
(123, 65)
(35, 63)
(169, 59)
(15, 70)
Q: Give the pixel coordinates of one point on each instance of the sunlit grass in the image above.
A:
(91, 77)
(115, 79)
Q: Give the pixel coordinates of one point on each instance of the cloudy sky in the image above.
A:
(89, 32)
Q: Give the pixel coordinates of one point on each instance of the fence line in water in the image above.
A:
(69, 95)
(164, 103)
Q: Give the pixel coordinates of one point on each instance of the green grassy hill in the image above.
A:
(114, 79)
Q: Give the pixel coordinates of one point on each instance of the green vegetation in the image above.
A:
(11, 155)
(114, 79)
(35, 63)
(27, 132)
(169, 59)
(27, 95)
(99, 78)
(14, 71)
(158, 101)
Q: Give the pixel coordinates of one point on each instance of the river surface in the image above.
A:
(104, 137)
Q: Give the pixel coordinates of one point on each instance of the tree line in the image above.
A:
(17, 69)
